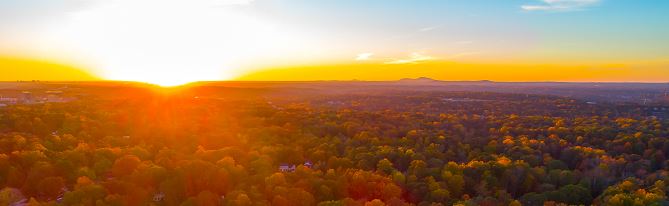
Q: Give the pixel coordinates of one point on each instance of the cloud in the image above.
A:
(364, 56)
(560, 5)
(231, 2)
(426, 29)
(414, 58)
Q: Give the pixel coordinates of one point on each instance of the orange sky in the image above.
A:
(26, 69)
(454, 71)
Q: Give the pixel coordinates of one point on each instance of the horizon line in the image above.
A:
(325, 80)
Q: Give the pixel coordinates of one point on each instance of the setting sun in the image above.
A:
(169, 42)
(175, 44)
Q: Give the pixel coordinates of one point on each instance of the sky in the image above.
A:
(171, 42)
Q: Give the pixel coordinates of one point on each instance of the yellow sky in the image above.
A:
(13, 69)
(25, 69)
(454, 71)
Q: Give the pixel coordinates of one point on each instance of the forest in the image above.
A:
(391, 148)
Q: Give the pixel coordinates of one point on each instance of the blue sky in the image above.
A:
(593, 29)
(587, 25)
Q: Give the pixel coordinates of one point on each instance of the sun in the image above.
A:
(167, 42)
(168, 80)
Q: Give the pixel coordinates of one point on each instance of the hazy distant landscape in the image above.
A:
(635, 93)
(407, 142)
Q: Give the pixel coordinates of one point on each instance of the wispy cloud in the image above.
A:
(560, 5)
(231, 2)
(364, 56)
(414, 58)
(426, 29)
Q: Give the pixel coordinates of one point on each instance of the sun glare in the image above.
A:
(175, 43)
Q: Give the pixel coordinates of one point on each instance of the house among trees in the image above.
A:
(9, 100)
(6, 101)
(60, 197)
(158, 197)
(657, 112)
(309, 164)
(286, 168)
(27, 97)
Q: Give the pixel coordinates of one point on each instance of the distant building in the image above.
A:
(291, 167)
(158, 197)
(27, 97)
(61, 195)
(286, 168)
(54, 96)
(660, 112)
(9, 100)
(309, 164)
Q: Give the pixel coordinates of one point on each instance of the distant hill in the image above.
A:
(427, 80)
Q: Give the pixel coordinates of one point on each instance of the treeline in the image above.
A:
(371, 150)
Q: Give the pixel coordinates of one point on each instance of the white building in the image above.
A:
(158, 197)
(9, 100)
(286, 168)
